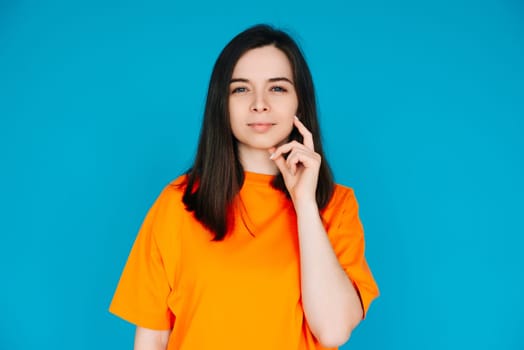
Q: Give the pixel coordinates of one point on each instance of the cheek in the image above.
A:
(288, 125)
(237, 109)
(288, 114)
(287, 110)
(234, 115)
(235, 128)
(293, 109)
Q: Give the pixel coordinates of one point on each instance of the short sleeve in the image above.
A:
(142, 294)
(347, 238)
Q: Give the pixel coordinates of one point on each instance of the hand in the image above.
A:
(300, 169)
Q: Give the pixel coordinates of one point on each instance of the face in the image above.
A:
(262, 99)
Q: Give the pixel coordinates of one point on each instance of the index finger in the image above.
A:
(308, 136)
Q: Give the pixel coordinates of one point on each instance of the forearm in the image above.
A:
(149, 339)
(331, 303)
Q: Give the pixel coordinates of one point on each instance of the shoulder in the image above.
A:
(179, 182)
(169, 205)
(342, 195)
(342, 202)
(173, 191)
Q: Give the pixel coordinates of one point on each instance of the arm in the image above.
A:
(149, 339)
(331, 304)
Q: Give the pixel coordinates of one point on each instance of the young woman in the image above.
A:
(254, 247)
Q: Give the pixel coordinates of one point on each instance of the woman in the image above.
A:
(254, 247)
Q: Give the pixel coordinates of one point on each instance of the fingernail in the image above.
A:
(296, 118)
(272, 155)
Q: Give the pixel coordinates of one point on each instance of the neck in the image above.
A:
(257, 161)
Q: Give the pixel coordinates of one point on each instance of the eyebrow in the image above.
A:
(271, 80)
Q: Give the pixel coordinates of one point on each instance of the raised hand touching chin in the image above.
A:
(300, 168)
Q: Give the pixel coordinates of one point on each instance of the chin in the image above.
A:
(263, 142)
(268, 145)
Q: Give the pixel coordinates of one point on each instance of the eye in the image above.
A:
(278, 89)
(239, 90)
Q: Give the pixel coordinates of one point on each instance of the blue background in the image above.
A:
(422, 108)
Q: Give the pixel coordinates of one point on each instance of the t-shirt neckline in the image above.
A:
(257, 178)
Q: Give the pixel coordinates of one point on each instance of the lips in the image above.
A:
(260, 127)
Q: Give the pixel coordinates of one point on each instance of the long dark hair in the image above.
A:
(217, 174)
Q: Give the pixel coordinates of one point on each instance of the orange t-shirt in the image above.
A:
(239, 293)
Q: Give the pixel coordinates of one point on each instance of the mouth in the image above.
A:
(260, 127)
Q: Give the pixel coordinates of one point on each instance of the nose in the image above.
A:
(259, 104)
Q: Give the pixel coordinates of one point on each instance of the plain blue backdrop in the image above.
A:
(422, 109)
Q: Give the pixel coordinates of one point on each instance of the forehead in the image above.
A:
(263, 62)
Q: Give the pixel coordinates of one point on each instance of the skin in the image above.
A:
(331, 304)
(263, 103)
(150, 339)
